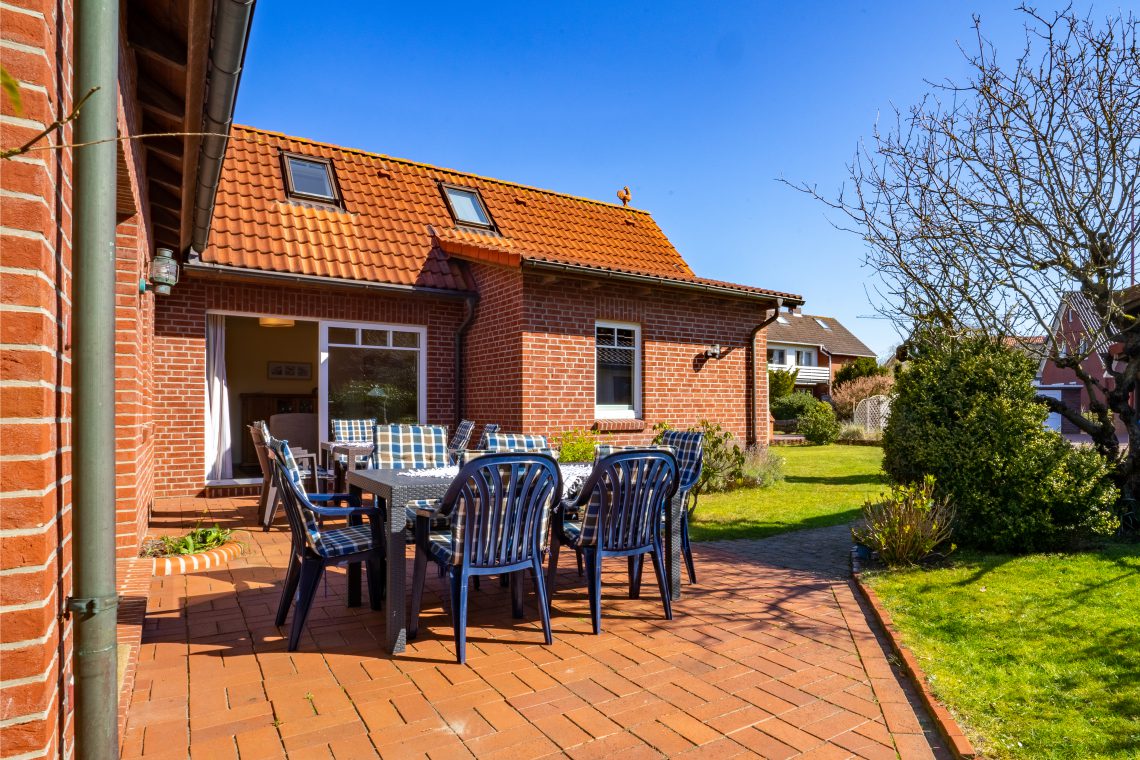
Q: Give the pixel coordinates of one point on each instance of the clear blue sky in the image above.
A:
(699, 107)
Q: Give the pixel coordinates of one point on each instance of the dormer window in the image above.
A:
(310, 179)
(466, 206)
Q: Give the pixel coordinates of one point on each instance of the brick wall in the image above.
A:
(493, 371)
(35, 386)
(180, 356)
(678, 384)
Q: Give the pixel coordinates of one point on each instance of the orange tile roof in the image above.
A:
(396, 228)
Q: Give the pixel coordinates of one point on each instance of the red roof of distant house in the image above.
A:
(395, 226)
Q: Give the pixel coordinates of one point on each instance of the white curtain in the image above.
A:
(219, 464)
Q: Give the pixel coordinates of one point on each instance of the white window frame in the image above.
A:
(421, 367)
(613, 411)
(783, 361)
(807, 352)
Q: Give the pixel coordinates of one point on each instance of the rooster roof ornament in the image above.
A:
(624, 195)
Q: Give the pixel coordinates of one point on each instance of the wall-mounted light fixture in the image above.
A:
(713, 351)
(163, 273)
(275, 322)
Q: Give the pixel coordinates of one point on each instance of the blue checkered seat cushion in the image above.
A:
(460, 440)
(489, 429)
(688, 447)
(404, 447)
(352, 431)
(341, 541)
(439, 546)
(516, 442)
(439, 521)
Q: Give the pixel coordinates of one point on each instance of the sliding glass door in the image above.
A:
(371, 370)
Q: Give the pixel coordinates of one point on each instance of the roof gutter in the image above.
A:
(232, 21)
(198, 267)
(716, 290)
(753, 389)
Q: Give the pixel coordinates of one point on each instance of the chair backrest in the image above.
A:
(499, 505)
(258, 432)
(518, 442)
(302, 520)
(602, 450)
(488, 429)
(298, 427)
(689, 448)
(625, 497)
(353, 431)
(404, 447)
(460, 440)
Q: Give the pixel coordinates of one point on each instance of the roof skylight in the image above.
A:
(466, 206)
(310, 178)
(822, 324)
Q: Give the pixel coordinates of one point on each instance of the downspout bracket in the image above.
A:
(92, 605)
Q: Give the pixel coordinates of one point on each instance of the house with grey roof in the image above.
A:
(815, 346)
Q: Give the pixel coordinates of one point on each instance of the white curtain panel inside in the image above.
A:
(219, 458)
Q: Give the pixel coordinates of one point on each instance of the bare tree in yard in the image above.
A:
(985, 203)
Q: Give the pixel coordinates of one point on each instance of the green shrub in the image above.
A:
(819, 425)
(864, 366)
(576, 445)
(781, 382)
(849, 431)
(965, 411)
(793, 406)
(722, 460)
(762, 467)
(907, 525)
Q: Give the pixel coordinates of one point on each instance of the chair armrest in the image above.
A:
(335, 498)
(348, 511)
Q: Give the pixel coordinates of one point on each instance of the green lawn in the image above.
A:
(823, 485)
(1039, 656)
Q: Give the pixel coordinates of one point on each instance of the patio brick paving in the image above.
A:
(770, 655)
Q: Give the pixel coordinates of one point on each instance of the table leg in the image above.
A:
(673, 547)
(396, 637)
(354, 576)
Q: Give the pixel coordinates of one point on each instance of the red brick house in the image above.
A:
(148, 70)
(388, 288)
(815, 346)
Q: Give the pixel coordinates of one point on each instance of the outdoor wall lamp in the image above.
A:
(163, 273)
(713, 351)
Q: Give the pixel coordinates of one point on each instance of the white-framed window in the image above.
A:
(373, 370)
(805, 357)
(777, 356)
(617, 360)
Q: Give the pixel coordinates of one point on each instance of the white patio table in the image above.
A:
(395, 488)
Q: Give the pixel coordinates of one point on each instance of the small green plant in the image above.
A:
(576, 445)
(781, 382)
(198, 540)
(793, 406)
(818, 424)
(907, 525)
(762, 467)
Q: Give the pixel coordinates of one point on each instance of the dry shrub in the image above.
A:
(847, 396)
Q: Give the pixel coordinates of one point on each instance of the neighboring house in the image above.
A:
(387, 288)
(1075, 324)
(815, 346)
(160, 67)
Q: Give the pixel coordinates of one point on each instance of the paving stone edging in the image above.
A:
(189, 563)
(951, 732)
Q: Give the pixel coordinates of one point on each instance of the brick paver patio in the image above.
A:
(770, 655)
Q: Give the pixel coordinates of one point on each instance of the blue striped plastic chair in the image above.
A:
(519, 442)
(313, 548)
(497, 506)
(460, 440)
(622, 505)
(690, 450)
(260, 433)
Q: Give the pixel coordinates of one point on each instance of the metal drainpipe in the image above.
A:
(95, 601)
(753, 433)
(460, 334)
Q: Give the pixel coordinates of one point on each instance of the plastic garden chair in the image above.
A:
(270, 493)
(459, 440)
(689, 448)
(314, 548)
(516, 442)
(497, 507)
(622, 504)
